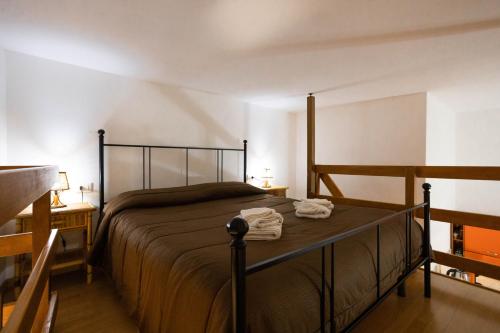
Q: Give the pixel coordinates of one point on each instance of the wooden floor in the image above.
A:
(454, 307)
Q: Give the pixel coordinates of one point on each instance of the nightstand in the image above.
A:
(72, 217)
(279, 191)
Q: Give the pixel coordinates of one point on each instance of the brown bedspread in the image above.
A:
(168, 254)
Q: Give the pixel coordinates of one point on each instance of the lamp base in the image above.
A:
(266, 184)
(56, 203)
(58, 206)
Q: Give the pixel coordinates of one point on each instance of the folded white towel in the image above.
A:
(264, 223)
(270, 233)
(323, 202)
(261, 217)
(313, 208)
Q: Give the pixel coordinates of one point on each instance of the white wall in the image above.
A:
(441, 150)
(388, 131)
(54, 111)
(271, 134)
(478, 143)
(3, 108)
(3, 143)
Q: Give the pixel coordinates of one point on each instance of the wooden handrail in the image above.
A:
(467, 265)
(362, 170)
(25, 310)
(20, 186)
(459, 172)
(441, 172)
(410, 173)
(362, 203)
(13, 245)
(463, 218)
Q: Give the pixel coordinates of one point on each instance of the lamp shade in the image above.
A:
(62, 183)
(267, 174)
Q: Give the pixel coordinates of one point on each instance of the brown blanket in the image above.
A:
(168, 254)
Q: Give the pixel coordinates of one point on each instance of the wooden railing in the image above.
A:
(19, 187)
(410, 174)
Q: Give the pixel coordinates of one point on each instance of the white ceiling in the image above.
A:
(273, 52)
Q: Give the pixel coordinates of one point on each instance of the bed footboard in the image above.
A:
(238, 227)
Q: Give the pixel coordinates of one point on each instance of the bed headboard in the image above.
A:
(146, 150)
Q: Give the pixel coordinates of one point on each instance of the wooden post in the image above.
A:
(41, 232)
(312, 182)
(410, 175)
(427, 240)
(237, 228)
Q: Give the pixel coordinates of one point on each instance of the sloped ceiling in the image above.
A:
(270, 52)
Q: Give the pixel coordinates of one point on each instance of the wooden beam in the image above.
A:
(19, 187)
(459, 172)
(363, 170)
(50, 321)
(23, 315)
(330, 185)
(410, 187)
(363, 203)
(16, 244)
(463, 218)
(41, 231)
(467, 265)
(311, 146)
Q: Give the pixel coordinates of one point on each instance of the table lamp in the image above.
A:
(61, 185)
(266, 177)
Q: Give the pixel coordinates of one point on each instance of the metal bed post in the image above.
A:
(101, 171)
(333, 326)
(427, 239)
(244, 161)
(237, 228)
(322, 298)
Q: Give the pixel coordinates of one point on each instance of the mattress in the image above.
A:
(168, 254)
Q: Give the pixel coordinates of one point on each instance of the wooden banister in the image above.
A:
(410, 173)
(464, 218)
(13, 245)
(362, 170)
(25, 310)
(330, 185)
(20, 186)
(363, 203)
(467, 265)
(459, 172)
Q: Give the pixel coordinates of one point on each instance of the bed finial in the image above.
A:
(311, 94)
(237, 228)
(101, 131)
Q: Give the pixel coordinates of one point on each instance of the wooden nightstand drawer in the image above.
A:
(61, 222)
(72, 217)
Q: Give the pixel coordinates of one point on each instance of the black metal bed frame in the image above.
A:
(238, 227)
(146, 150)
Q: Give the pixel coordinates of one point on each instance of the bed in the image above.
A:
(168, 254)
(168, 257)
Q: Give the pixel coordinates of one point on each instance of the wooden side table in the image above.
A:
(72, 217)
(279, 191)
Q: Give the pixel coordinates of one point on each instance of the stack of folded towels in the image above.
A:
(264, 223)
(313, 208)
